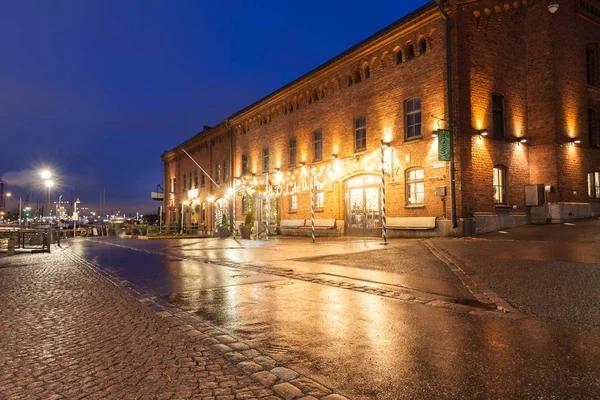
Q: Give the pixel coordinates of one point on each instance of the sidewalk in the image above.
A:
(68, 332)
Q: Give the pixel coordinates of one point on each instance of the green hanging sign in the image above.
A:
(444, 145)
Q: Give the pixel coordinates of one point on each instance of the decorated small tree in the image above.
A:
(224, 220)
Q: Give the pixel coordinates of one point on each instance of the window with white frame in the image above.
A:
(360, 133)
(415, 186)
(294, 202)
(500, 184)
(412, 109)
(594, 185)
(318, 145)
(319, 196)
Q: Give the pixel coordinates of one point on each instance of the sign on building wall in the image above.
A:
(444, 138)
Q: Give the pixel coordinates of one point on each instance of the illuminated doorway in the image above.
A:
(363, 206)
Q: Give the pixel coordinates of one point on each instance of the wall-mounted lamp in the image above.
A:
(302, 163)
(482, 132)
(276, 170)
(521, 139)
(333, 156)
(575, 141)
(385, 145)
(434, 134)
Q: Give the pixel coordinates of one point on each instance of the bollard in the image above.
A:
(11, 247)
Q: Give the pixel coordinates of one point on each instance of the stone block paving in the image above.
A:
(67, 332)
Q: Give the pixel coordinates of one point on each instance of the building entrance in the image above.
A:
(363, 206)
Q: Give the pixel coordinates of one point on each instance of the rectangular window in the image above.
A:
(174, 185)
(191, 184)
(196, 179)
(499, 116)
(415, 186)
(218, 173)
(226, 171)
(294, 202)
(292, 152)
(184, 182)
(318, 145)
(594, 185)
(319, 196)
(360, 133)
(500, 182)
(413, 118)
(245, 164)
(202, 179)
(245, 205)
(171, 185)
(203, 213)
(590, 58)
(266, 159)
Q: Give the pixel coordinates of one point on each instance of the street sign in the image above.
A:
(444, 149)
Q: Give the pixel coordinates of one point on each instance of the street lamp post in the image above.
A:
(8, 195)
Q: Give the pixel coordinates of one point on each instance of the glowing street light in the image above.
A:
(49, 183)
(45, 174)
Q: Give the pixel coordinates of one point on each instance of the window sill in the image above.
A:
(319, 210)
(410, 206)
(412, 139)
(358, 152)
(292, 211)
(502, 206)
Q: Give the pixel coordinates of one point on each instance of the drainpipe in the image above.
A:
(232, 229)
(446, 17)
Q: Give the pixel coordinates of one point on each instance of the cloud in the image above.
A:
(24, 179)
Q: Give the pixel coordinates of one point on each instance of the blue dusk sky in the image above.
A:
(97, 90)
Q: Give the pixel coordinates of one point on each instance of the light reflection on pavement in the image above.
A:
(366, 345)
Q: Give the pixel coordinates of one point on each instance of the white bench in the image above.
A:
(320, 223)
(424, 223)
(291, 223)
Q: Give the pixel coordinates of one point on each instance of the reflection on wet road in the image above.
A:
(367, 345)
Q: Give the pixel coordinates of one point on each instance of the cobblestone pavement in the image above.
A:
(69, 333)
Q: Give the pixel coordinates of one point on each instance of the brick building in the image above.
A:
(524, 102)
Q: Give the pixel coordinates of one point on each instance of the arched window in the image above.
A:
(415, 186)
(410, 51)
(500, 184)
(590, 60)
(349, 80)
(367, 72)
(422, 46)
(357, 77)
(398, 57)
(593, 128)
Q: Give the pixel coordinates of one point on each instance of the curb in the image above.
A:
(478, 288)
(266, 371)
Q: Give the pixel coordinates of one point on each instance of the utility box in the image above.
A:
(534, 195)
(440, 191)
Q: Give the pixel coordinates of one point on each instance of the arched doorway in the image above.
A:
(363, 206)
(221, 208)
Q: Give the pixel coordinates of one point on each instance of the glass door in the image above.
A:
(363, 208)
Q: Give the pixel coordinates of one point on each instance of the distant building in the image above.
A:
(526, 102)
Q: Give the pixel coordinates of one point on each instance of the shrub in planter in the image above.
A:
(224, 227)
(246, 227)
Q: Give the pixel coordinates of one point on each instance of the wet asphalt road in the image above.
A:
(365, 345)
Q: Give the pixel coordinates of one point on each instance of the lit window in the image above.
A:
(293, 152)
(500, 184)
(415, 186)
(319, 196)
(413, 118)
(294, 202)
(360, 133)
(499, 115)
(171, 185)
(266, 159)
(594, 185)
(318, 144)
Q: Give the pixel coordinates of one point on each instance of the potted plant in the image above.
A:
(224, 227)
(246, 227)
